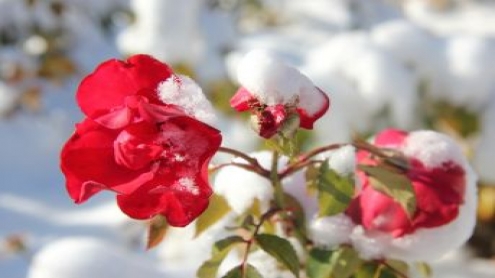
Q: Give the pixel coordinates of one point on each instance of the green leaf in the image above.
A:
(344, 262)
(341, 263)
(217, 209)
(334, 191)
(424, 269)
(374, 270)
(157, 228)
(237, 272)
(393, 184)
(281, 250)
(397, 266)
(255, 209)
(318, 264)
(296, 212)
(220, 250)
(311, 174)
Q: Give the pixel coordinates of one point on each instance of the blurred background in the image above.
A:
(417, 64)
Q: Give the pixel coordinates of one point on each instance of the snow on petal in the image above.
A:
(433, 149)
(182, 91)
(431, 244)
(274, 82)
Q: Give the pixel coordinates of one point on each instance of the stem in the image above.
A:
(289, 171)
(250, 160)
(319, 150)
(305, 159)
(277, 185)
(260, 171)
(253, 165)
(251, 240)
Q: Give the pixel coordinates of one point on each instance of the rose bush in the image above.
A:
(151, 153)
(404, 196)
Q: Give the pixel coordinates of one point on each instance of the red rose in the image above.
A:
(153, 155)
(437, 175)
(269, 119)
(120, 92)
(279, 97)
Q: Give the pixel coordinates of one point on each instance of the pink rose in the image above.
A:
(436, 169)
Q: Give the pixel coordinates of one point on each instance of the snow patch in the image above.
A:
(274, 82)
(433, 149)
(82, 257)
(329, 232)
(182, 91)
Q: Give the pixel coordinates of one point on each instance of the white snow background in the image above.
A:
(367, 54)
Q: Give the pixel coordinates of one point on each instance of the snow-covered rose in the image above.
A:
(444, 185)
(141, 141)
(278, 95)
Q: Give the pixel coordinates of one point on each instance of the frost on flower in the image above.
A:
(182, 91)
(275, 92)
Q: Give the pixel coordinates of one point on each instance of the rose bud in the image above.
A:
(274, 92)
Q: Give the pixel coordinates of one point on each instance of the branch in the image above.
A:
(305, 159)
(252, 166)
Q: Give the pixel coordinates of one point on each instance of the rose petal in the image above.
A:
(87, 160)
(241, 100)
(107, 87)
(178, 206)
(307, 120)
(390, 138)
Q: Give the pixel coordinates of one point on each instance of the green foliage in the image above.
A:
(460, 119)
(296, 213)
(283, 145)
(217, 209)
(281, 250)
(318, 263)
(375, 270)
(424, 269)
(220, 250)
(341, 263)
(248, 272)
(335, 192)
(157, 228)
(393, 184)
(311, 175)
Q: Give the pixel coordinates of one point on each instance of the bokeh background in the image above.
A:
(417, 64)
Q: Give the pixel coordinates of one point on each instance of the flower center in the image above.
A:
(136, 152)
